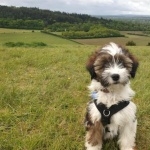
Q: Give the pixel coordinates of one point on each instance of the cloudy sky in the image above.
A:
(92, 7)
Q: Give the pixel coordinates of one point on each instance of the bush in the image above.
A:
(148, 44)
(130, 43)
(36, 44)
(10, 44)
(19, 44)
(22, 44)
(95, 33)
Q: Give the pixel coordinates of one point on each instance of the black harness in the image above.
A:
(107, 113)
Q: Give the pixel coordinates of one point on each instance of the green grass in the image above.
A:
(40, 98)
(27, 36)
(44, 94)
(4, 30)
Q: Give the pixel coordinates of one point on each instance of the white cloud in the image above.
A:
(97, 7)
(134, 7)
(94, 2)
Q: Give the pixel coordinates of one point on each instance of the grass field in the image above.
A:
(27, 36)
(44, 95)
(139, 40)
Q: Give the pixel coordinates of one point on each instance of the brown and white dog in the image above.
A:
(111, 112)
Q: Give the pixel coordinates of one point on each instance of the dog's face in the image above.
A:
(112, 69)
(112, 65)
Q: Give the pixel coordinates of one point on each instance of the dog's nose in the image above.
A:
(115, 77)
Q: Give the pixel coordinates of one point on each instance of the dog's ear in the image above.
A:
(135, 62)
(135, 65)
(90, 65)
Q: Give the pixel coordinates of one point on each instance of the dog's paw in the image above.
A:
(129, 149)
(90, 147)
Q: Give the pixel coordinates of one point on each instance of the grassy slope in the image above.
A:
(44, 95)
(27, 36)
(40, 98)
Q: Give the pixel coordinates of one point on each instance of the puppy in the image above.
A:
(111, 112)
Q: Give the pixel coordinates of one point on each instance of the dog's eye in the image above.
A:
(121, 64)
(107, 65)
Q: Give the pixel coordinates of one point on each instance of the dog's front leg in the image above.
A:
(94, 136)
(127, 136)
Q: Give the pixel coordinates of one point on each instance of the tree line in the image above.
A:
(46, 16)
(35, 18)
(21, 24)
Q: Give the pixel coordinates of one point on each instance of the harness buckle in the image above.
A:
(106, 112)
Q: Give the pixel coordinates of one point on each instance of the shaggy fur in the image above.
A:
(111, 69)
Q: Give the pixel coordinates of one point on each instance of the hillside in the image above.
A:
(128, 22)
(48, 16)
(44, 97)
(35, 18)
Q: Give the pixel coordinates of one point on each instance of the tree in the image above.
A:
(130, 43)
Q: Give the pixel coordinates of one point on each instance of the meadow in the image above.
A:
(139, 40)
(44, 94)
(29, 36)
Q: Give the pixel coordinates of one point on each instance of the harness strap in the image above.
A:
(107, 113)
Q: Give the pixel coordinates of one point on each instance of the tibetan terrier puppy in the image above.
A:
(111, 112)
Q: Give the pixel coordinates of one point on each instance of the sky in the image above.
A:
(91, 7)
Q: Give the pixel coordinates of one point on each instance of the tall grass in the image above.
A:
(44, 95)
(40, 96)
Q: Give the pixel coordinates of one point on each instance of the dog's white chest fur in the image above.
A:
(117, 92)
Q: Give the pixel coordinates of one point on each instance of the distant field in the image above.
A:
(44, 94)
(4, 30)
(139, 40)
(27, 36)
